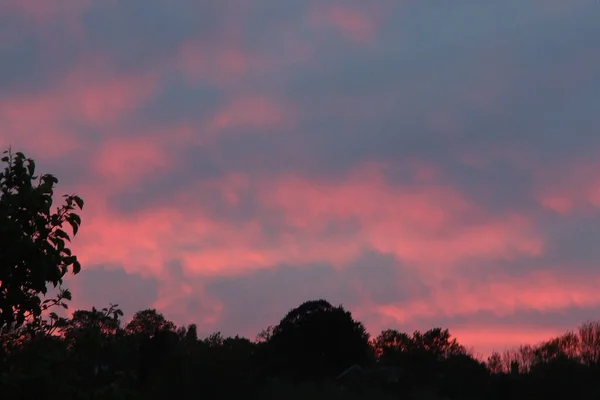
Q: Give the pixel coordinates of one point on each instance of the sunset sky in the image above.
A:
(423, 163)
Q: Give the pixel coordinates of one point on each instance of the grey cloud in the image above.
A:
(570, 248)
(98, 286)
(140, 34)
(573, 242)
(177, 102)
(20, 67)
(375, 102)
(30, 61)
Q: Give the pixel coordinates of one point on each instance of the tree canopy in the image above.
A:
(33, 251)
(148, 323)
(317, 340)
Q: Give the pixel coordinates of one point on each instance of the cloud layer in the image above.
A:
(422, 165)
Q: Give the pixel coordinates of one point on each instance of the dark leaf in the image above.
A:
(59, 233)
(31, 168)
(76, 267)
(74, 221)
(79, 202)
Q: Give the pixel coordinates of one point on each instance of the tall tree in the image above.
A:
(33, 250)
(589, 338)
(93, 336)
(148, 322)
(494, 363)
(317, 340)
(391, 346)
(439, 342)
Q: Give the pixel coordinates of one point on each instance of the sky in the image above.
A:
(421, 163)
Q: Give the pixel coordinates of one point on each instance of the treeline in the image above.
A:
(581, 347)
(316, 351)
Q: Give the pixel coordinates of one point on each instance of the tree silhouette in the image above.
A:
(589, 340)
(148, 322)
(156, 350)
(32, 239)
(494, 363)
(101, 323)
(392, 346)
(439, 342)
(93, 337)
(318, 341)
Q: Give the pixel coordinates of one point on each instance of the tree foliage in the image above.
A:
(149, 322)
(317, 340)
(33, 240)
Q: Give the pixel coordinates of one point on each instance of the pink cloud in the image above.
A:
(418, 223)
(124, 161)
(485, 340)
(570, 187)
(356, 24)
(227, 61)
(540, 291)
(421, 224)
(200, 61)
(250, 112)
(173, 300)
(90, 93)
